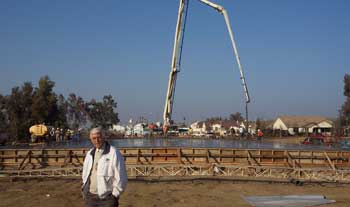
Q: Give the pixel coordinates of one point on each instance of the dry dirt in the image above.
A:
(64, 192)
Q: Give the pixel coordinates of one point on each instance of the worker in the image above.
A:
(241, 132)
(67, 135)
(57, 133)
(61, 134)
(52, 133)
(260, 135)
(104, 174)
(77, 135)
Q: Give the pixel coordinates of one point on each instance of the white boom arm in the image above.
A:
(169, 101)
(224, 12)
(174, 63)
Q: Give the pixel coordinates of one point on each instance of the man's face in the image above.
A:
(97, 139)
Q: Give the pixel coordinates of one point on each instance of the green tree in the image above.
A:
(44, 108)
(345, 108)
(103, 113)
(347, 85)
(18, 107)
(215, 118)
(3, 116)
(76, 111)
(62, 107)
(258, 123)
(236, 117)
(27, 102)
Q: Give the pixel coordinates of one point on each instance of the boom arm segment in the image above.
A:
(174, 65)
(224, 12)
(169, 101)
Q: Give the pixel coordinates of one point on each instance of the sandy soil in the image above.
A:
(63, 192)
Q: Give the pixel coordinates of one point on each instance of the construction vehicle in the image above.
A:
(40, 133)
(176, 59)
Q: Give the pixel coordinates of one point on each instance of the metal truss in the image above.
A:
(49, 172)
(255, 173)
(242, 172)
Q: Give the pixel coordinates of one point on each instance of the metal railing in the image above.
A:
(255, 173)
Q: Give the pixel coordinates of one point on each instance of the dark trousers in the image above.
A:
(93, 200)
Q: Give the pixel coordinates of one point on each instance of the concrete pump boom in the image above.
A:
(169, 101)
(224, 12)
(174, 65)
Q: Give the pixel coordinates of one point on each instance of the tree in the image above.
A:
(76, 111)
(258, 124)
(345, 108)
(103, 113)
(18, 107)
(14, 110)
(347, 85)
(236, 117)
(26, 106)
(44, 108)
(27, 102)
(61, 119)
(215, 118)
(3, 116)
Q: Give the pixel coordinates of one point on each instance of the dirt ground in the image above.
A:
(64, 192)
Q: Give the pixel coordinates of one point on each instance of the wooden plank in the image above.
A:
(329, 161)
(262, 157)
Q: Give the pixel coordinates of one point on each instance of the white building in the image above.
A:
(141, 129)
(218, 127)
(303, 124)
(198, 128)
(119, 128)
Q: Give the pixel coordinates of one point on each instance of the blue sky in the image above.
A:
(294, 53)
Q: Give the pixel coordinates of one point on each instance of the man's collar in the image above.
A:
(106, 147)
(102, 147)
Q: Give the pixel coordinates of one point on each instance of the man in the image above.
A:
(104, 174)
(241, 132)
(57, 132)
(260, 135)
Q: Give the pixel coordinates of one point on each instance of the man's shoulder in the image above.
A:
(89, 151)
(113, 149)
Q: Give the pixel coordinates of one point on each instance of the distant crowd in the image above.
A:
(61, 134)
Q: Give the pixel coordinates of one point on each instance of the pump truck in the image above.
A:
(176, 59)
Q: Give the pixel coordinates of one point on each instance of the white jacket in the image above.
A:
(111, 172)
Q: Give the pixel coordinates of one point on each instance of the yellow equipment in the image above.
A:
(39, 132)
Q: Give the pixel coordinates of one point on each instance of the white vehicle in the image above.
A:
(198, 134)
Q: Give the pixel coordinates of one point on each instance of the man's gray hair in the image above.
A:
(96, 130)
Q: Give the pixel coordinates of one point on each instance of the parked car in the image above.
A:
(210, 135)
(318, 141)
(312, 141)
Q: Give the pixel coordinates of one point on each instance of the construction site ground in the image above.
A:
(66, 192)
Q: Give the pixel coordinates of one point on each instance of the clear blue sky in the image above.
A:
(295, 54)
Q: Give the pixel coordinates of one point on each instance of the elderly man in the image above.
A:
(104, 174)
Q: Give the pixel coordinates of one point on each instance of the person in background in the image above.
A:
(104, 173)
(67, 135)
(241, 134)
(57, 133)
(260, 135)
(61, 135)
(77, 135)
